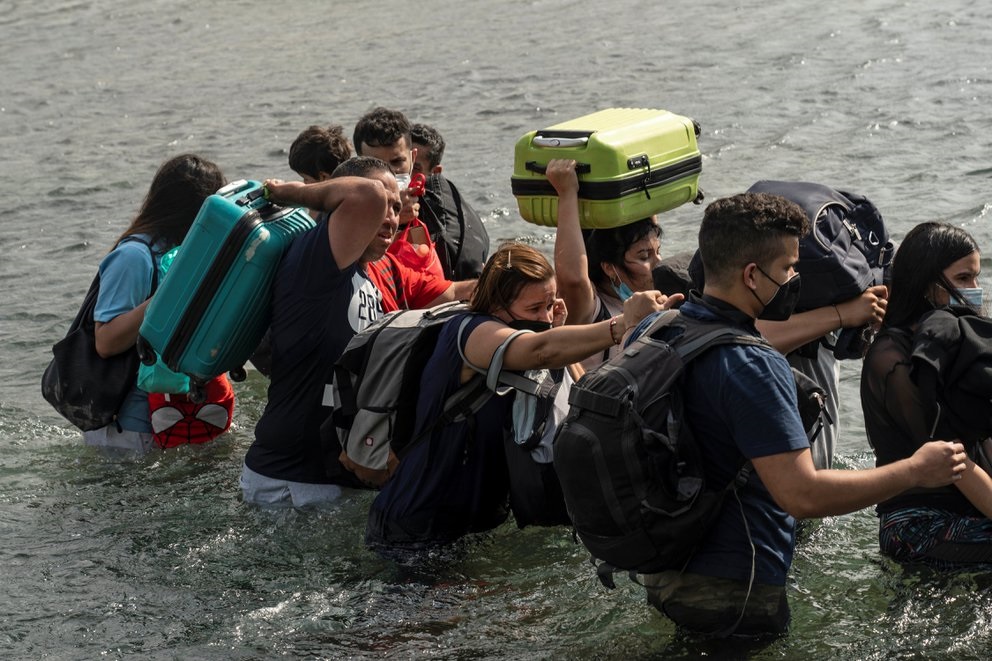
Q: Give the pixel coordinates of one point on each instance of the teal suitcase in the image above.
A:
(212, 307)
(632, 163)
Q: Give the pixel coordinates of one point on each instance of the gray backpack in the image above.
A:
(376, 381)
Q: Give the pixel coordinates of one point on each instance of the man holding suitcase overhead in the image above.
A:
(321, 297)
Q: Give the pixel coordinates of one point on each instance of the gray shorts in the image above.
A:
(257, 489)
(110, 439)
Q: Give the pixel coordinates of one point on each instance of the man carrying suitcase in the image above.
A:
(321, 297)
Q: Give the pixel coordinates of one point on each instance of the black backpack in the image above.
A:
(84, 388)
(846, 251)
(459, 235)
(629, 467)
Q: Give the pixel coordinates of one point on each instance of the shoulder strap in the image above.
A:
(84, 318)
(602, 314)
(698, 335)
(456, 196)
(497, 380)
(694, 346)
(151, 252)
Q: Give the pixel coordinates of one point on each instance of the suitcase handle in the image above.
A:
(235, 187)
(548, 141)
(534, 166)
(249, 198)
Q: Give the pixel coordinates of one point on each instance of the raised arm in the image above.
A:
(804, 327)
(571, 262)
(357, 205)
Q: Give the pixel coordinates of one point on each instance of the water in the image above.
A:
(159, 559)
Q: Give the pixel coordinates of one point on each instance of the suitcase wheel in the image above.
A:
(197, 393)
(699, 196)
(145, 352)
(238, 374)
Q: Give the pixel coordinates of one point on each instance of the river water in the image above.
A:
(159, 559)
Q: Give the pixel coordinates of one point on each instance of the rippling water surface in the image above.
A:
(158, 558)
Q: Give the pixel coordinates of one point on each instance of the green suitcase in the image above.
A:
(632, 163)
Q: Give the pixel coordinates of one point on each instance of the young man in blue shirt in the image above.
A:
(740, 401)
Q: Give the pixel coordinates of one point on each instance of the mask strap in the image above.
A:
(754, 290)
(617, 276)
(758, 298)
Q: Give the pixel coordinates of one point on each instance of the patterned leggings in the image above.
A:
(938, 538)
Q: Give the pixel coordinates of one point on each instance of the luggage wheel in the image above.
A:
(197, 393)
(238, 374)
(145, 352)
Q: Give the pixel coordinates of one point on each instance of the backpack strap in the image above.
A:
(602, 314)
(720, 335)
(497, 380)
(473, 394)
(457, 197)
(595, 402)
(151, 251)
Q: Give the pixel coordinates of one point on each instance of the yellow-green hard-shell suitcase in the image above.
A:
(632, 163)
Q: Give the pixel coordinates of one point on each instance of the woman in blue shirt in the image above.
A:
(127, 274)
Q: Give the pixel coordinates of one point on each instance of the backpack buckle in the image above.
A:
(850, 227)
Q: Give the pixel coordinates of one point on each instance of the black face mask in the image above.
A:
(528, 324)
(781, 306)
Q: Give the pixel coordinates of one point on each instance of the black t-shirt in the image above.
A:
(316, 309)
(897, 420)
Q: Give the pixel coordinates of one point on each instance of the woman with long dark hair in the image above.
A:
(128, 272)
(936, 265)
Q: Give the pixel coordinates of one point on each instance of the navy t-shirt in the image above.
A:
(316, 309)
(740, 401)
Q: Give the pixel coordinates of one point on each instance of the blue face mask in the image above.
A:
(972, 296)
(620, 287)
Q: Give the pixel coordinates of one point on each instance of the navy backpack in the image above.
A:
(846, 251)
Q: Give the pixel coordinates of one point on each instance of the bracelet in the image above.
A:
(613, 335)
(839, 318)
